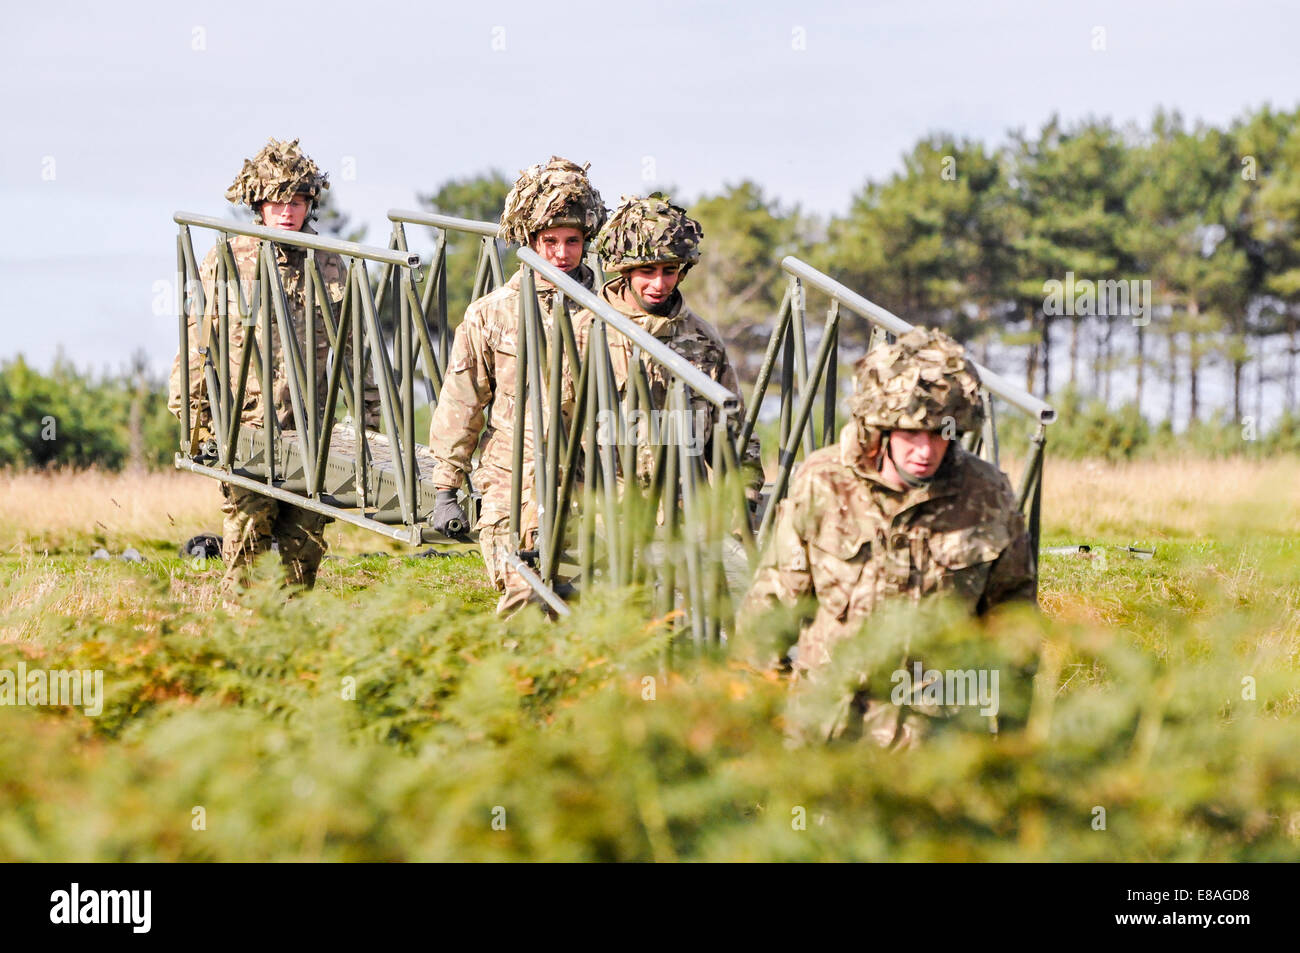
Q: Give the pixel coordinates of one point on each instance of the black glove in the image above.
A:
(448, 515)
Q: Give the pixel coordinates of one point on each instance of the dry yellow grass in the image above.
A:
(1191, 498)
(99, 591)
(1146, 500)
(67, 509)
(53, 509)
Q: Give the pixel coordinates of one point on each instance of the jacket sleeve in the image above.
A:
(751, 459)
(459, 413)
(207, 278)
(581, 331)
(783, 579)
(1012, 578)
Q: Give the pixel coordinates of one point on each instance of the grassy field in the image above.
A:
(1150, 712)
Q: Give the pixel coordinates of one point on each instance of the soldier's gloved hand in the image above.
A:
(448, 515)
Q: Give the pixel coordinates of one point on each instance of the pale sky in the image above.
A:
(116, 115)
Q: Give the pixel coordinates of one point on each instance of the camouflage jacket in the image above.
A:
(292, 267)
(481, 385)
(849, 540)
(696, 340)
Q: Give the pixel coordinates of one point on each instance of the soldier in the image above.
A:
(652, 244)
(282, 188)
(554, 210)
(896, 508)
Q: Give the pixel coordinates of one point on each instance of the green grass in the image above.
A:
(389, 716)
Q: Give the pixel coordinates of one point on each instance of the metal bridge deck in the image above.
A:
(378, 470)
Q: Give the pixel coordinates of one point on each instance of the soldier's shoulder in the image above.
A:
(244, 244)
(243, 248)
(982, 479)
(827, 458)
(491, 305)
(502, 294)
(238, 244)
(693, 323)
(823, 467)
(582, 320)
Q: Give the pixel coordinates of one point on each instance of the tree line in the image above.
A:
(1203, 217)
(1201, 224)
(68, 417)
(1017, 248)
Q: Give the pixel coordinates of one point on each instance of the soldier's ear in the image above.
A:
(872, 442)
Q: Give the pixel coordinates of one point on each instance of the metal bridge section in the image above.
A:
(601, 517)
(637, 525)
(370, 479)
(488, 274)
(616, 503)
(802, 384)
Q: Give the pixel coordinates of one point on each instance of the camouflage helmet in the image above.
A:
(554, 195)
(649, 231)
(920, 382)
(276, 174)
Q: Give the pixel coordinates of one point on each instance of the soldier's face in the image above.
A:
(561, 247)
(654, 283)
(289, 215)
(919, 452)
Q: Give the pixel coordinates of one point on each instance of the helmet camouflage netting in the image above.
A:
(553, 195)
(920, 382)
(276, 174)
(648, 231)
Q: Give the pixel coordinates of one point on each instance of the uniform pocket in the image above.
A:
(963, 558)
(836, 563)
(505, 366)
(965, 548)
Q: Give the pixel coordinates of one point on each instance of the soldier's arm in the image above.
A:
(175, 401)
(581, 321)
(768, 621)
(751, 459)
(458, 416)
(581, 332)
(581, 328)
(620, 350)
(207, 278)
(1012, 578)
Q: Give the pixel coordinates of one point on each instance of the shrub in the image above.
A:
(67, 418)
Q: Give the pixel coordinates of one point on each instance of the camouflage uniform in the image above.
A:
(481, 385)
(651, 231)
(482, 380)
(690, 336)
(850, 540)
(251, 520)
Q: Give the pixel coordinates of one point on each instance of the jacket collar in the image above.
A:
(284, 252)
(619, 294)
